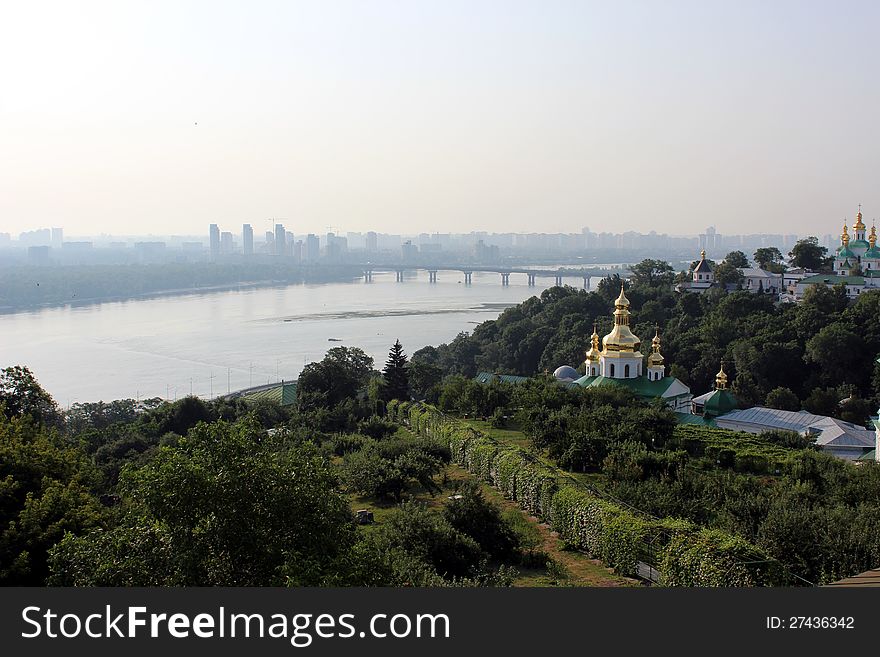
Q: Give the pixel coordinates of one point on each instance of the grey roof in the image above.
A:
(829, 431)
(703, 266)
(566, 373)
(754, 272)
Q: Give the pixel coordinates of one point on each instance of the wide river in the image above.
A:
(210, 343)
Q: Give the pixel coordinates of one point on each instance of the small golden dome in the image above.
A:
(594, 351)
(655, 357)
(721, 378)
(873, 237)
(859, 225)
(845, 237)
(621, 301)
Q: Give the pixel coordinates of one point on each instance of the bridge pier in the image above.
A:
(587, 283)
(368, 276)
(467, 277)
(399, 273)
(558, 280)
(531, 280)
(432, 275)
(505, 278)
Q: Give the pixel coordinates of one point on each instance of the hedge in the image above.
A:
(684, 554)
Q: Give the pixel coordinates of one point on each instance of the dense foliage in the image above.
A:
(821, 350)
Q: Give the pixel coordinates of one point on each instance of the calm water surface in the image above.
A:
(211, 343)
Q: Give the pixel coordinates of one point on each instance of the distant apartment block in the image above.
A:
(280, 239)
(214, 232)
(312, 248)
(247, 239)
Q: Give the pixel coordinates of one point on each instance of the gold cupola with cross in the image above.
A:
(591, 365)
(721, 378)
(620, 357)
(656, 366)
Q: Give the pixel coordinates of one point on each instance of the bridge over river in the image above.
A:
(559, 274)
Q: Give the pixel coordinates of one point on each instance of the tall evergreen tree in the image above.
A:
(395, 373)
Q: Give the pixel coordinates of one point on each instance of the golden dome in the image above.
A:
(873, 237)
(721, 378)
(844, 239)
(621, 337)
(859, 225)
(655, 357)
(593, 353)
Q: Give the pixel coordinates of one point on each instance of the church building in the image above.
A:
(619, 362)
(856, 263)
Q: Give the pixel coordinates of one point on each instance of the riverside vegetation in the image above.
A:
(239, 493)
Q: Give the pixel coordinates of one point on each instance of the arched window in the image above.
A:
(626, 371)
(612, 369)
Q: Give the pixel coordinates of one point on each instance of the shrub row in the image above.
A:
(737, 450)
(684, 554)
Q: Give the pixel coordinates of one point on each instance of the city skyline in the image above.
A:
(458, 116)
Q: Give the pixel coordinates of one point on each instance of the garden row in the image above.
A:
(737, 450)
(684, 554)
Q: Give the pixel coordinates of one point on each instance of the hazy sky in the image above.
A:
(407, 116)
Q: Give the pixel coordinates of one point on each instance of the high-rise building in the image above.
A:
(298, 251)
(313, 248)
(247, 239)
(57, 237)
(280, 241)
(289, 242)
(214, 231)
(372, 242)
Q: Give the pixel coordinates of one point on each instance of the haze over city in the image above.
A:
(160, 117)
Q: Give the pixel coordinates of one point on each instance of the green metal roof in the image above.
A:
(489, 377)
(283, 393)
(831, 279)
(844, 252)
(640, 385)
(872, 253)
(859, 244)
(719, 403)
(690, 418)
(868, 456)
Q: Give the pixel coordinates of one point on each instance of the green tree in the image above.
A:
(783, 399)
(736, 259)
(838, 353)
(769, 258)
(45, 491)
(727, 273)
(472, 514)
(652, 273)
(424, 379)
(807, 253)
(229, 506)
(396, 373)
(337, 377)
(21, 395)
